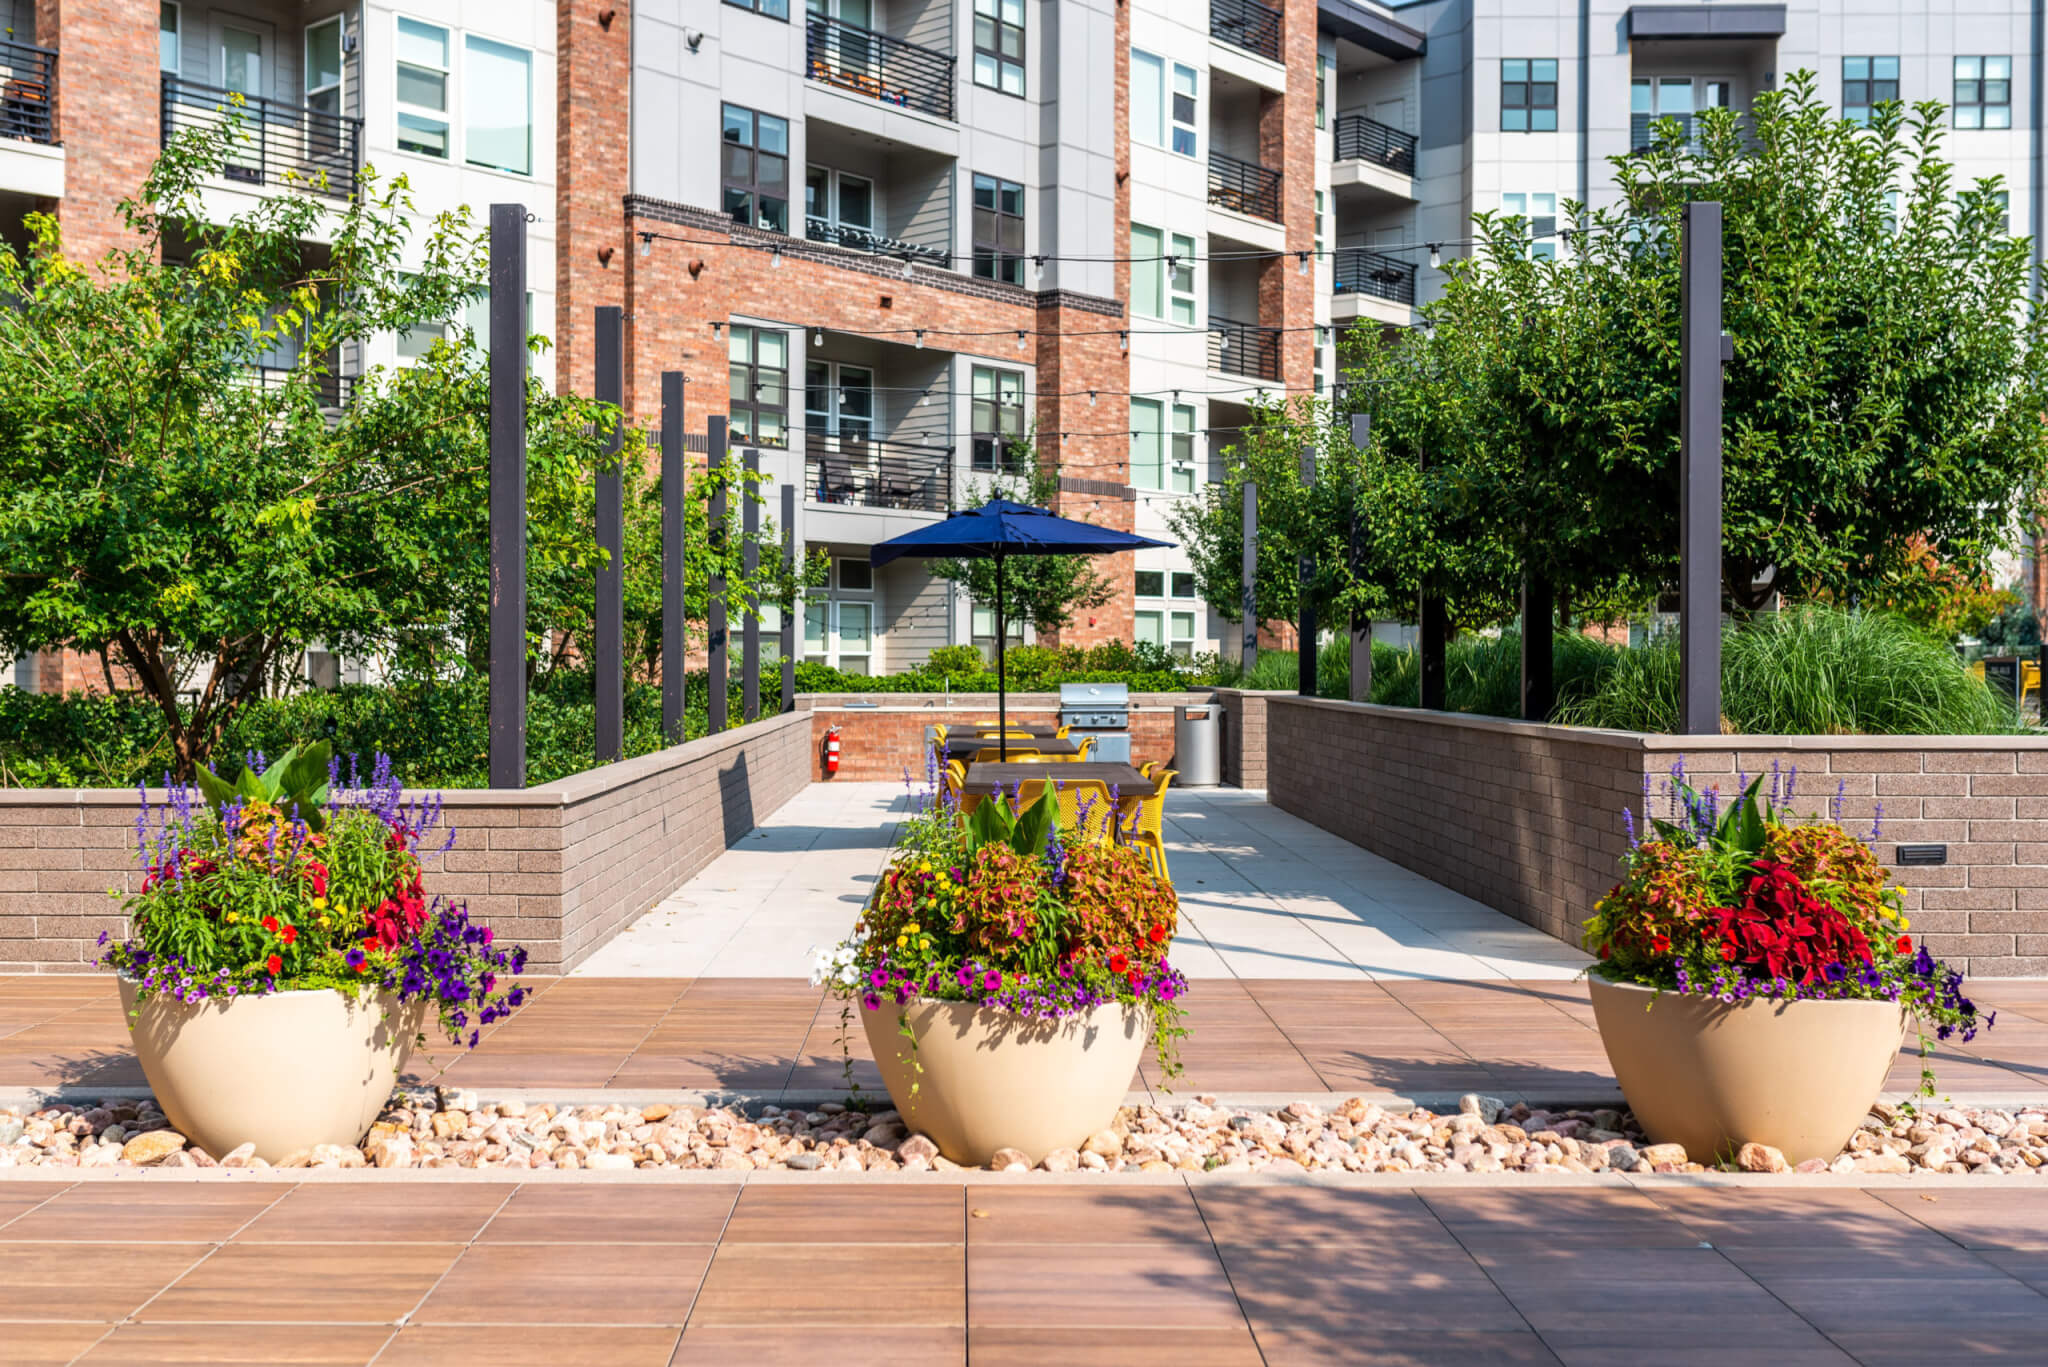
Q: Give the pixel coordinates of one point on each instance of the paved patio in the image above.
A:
(1195, 1275)
(1263, 895)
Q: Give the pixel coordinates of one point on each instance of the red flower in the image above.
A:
(317, 872)
(1157, 935)
(1133, 980)
(288, 934)
(1903, 945)
(1118, 963)
(274, 964)
(270, 924)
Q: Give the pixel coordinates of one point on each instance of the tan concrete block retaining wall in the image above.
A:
(560, 868)
(1527, 818)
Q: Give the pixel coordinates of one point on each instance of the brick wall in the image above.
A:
(593, 89)
(108, 93)
(876, 743)
(1527, 818)
(560, 868)
(1244, 735)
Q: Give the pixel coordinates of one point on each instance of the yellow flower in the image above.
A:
(902, 940)
(232, 918)
(320, 903)
(910, 929)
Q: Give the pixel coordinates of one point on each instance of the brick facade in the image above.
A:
(593, 90)
(1527, 818)
(560, 868)
(878, 743)
(106, 112)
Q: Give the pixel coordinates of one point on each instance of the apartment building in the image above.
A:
(458, 98)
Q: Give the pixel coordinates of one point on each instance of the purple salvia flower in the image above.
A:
(1628, 819)
(1835, 807)
(1877, 823)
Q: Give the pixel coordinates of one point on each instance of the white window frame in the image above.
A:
(1179, 279)
(1148, 264)
(340, 86)
(1181, 475)
(177, 34)
(469, 43)
(1524, 204)
(1162, 127)
(1148, 466)
(450, 99)
(840, 655)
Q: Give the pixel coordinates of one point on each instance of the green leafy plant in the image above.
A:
(296, 785)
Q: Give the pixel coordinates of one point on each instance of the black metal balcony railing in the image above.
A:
(1244, 349)
(1360, 270)
(1246, 24)
(332, 386)
(874, 64)
(1244, 186)
(860, 239)
(1362, 139)
(843, 468)
(28, 85)
(280, 144)
(1641, 134)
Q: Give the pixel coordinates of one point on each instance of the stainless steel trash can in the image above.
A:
(1198, 746)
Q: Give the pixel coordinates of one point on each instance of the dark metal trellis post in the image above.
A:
(1539, 622)
(508, 496)
(750, 562)
(610, 624)
(674, 632)
(1361, 625)
(1434, 625)
(715, 700)
(1305, 572)
(1699, 470)
(1249, 656)
(787, 638)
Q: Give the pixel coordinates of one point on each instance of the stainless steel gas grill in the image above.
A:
(1101, 710)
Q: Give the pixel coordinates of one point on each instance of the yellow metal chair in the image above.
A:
(994, 755)
(1142, 819)
(1085, 808)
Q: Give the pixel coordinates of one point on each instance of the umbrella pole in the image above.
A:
(1002, 686)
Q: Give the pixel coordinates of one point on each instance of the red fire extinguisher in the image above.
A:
(831, 750)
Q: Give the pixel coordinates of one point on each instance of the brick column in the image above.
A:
(594, 80)
(1287, 140)
(109, 94)
(1078, 350)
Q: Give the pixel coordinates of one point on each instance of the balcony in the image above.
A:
(281, 144)
(846, 470)
(1360, 270)
(28, 81)
(332, 387)
(1244, 186)
(1247, 24)
(1244, 349)
(1359, 138)
(861, 239)
(859, 60)
(1642, 135)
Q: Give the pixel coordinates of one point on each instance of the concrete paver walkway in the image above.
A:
(937, 1273)
(1263, 895)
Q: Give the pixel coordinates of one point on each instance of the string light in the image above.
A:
(1436, 257)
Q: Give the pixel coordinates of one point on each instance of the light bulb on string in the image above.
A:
(1436, 257)
(920, 339)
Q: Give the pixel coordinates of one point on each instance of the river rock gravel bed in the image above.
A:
(455, 1129)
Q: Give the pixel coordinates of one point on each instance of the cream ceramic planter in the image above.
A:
(993, 1079)
(1798, 1076)
(283, 1072)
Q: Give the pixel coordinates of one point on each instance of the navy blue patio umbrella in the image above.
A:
(1000, 529)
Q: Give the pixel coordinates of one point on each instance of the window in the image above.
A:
(1148, 272)
(774, 9)
(755, 170)
(323, 66)
(1322, 90)
(1539, 211)
(839, 400)
(759, 380)
(1163, 621)
(1671, 97)
(1322, 341)
(168, 16)
(1528, 95)
(839, 199)
(1319, 220)
(1180, 281)
(1867, 81)
(1162, 287)
(852, 648)
(419, 339)
(1983, 92)
(999, 45)
(1163, 116)
(422, 89)
(856, 576)
(982, 626)
(1149, 583)
(998, 230)
(497, 106)
(1182, 452)
(996, 415)
(1148, 455)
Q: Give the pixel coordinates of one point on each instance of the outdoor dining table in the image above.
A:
(1015, 728)
(967, 747)
(984, 779)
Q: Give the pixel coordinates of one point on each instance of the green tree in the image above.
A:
(181, 493)
(1044, 590)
